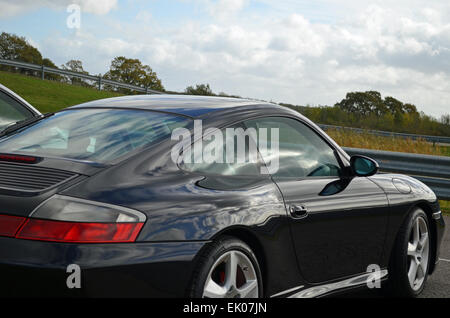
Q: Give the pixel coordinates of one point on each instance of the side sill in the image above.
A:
(321, 290)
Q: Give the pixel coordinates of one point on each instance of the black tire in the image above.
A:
(211, 254)
(399, 284)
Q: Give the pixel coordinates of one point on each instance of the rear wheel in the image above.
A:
(227, 269)
(411, 258)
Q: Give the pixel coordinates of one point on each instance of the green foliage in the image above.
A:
(200, 89)
(369, 111)
(50, 96)
(205, 90)
(363, 104)
(77, 67)
(132, 71)
(222, 94)
(445, 119)
(13, 47)
(125, 70)
(369, 103)
(54, 77)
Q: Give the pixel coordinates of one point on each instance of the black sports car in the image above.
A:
(94, 201)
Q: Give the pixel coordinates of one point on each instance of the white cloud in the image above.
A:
(400, 49)
(11, 8)
(96, 6)
(144, 17)
(225, 9)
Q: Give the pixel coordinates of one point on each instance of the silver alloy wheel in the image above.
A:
(418, 252)
(232, 276)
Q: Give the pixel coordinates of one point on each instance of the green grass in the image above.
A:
(445, 207)
(365, 140)
(49, 96)
(445, 150)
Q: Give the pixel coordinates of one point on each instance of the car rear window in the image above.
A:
(98, 135)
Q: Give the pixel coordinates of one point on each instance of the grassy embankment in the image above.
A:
(368, 141)
(49, 96)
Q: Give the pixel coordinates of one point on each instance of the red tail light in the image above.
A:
(74, 220)
(72, 232)
(9, 225)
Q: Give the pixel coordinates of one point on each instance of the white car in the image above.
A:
(14, 108)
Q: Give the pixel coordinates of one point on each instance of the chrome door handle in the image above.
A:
(298, 211)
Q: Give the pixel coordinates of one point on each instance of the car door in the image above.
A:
(11, 111)
(338, 223)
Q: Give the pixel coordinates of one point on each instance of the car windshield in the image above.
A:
(98, 135)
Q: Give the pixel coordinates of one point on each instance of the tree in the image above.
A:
(393, 105)
(371, 104)
(363, 103)
(132, 71)
(200, 89)
(74, 66)
(77, 67)
(49, 63)
(13, 47)
(222, 94)
(396, 107)
(404, 119)
(445, 119)
(410, 109)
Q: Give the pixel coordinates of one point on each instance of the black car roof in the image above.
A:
(187, 105)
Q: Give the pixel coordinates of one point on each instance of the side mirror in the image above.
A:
(363, 166)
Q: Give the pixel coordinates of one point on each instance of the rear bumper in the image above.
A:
(39, 269)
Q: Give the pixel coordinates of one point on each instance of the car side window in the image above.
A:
(11, 111)
(226, 163)
(302, 153)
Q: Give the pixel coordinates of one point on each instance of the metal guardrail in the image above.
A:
(434, 171)
(100, 80)
(433, 139)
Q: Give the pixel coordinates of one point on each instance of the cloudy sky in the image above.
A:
(295, 51)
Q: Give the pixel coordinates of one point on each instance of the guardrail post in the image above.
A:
(99, 83)
(146, 90)
(43, 72)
